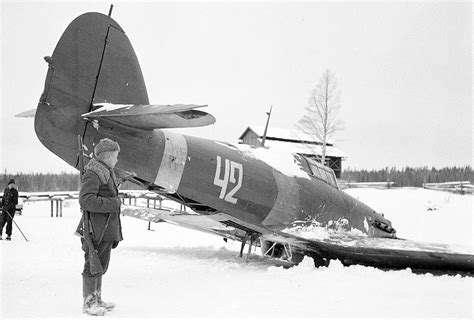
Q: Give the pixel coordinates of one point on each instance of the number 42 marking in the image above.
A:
(230, 167)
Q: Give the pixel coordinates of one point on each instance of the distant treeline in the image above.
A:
(34, 182)
(406, 177)
(410, 177)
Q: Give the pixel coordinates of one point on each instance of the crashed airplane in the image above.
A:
(94, 89)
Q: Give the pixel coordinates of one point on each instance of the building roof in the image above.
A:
(283, 134)
(293, 141)
(304, 148)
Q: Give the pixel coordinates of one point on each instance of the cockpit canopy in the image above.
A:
(320, 171)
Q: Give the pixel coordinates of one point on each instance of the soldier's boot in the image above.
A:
(90, 295)
(107, 305)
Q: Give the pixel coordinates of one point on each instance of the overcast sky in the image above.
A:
(404, 70)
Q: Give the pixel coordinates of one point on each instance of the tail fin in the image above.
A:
(93, 62)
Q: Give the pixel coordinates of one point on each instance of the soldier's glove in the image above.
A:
(126, 175)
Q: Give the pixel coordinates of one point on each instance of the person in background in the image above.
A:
(99, 198)
(8, 205)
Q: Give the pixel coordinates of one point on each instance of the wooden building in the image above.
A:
(296, 142)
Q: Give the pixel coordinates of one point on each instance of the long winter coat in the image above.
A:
(9, 199)
(99, 196)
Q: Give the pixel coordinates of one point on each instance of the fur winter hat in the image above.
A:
(105, 145)
(11, 181)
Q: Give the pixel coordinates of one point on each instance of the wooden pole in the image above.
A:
(266, 126)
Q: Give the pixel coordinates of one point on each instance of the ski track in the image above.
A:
(175, 272)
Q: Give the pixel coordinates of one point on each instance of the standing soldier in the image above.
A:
(8, 205)
(99, 200)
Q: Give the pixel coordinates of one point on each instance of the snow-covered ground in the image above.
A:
(175, 272)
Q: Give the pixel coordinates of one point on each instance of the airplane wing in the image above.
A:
(184, 219)
(388, 253)
(381, 253)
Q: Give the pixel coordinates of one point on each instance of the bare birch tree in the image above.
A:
(320, 121)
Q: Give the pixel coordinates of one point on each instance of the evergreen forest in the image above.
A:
(404, 177)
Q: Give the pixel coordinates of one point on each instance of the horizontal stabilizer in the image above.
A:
(151, 117)
(26, 114)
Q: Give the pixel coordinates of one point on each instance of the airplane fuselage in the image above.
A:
(212, 176)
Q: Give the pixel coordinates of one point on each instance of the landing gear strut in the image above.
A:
(252, 238)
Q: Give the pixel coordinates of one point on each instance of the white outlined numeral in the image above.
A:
(230, 168)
